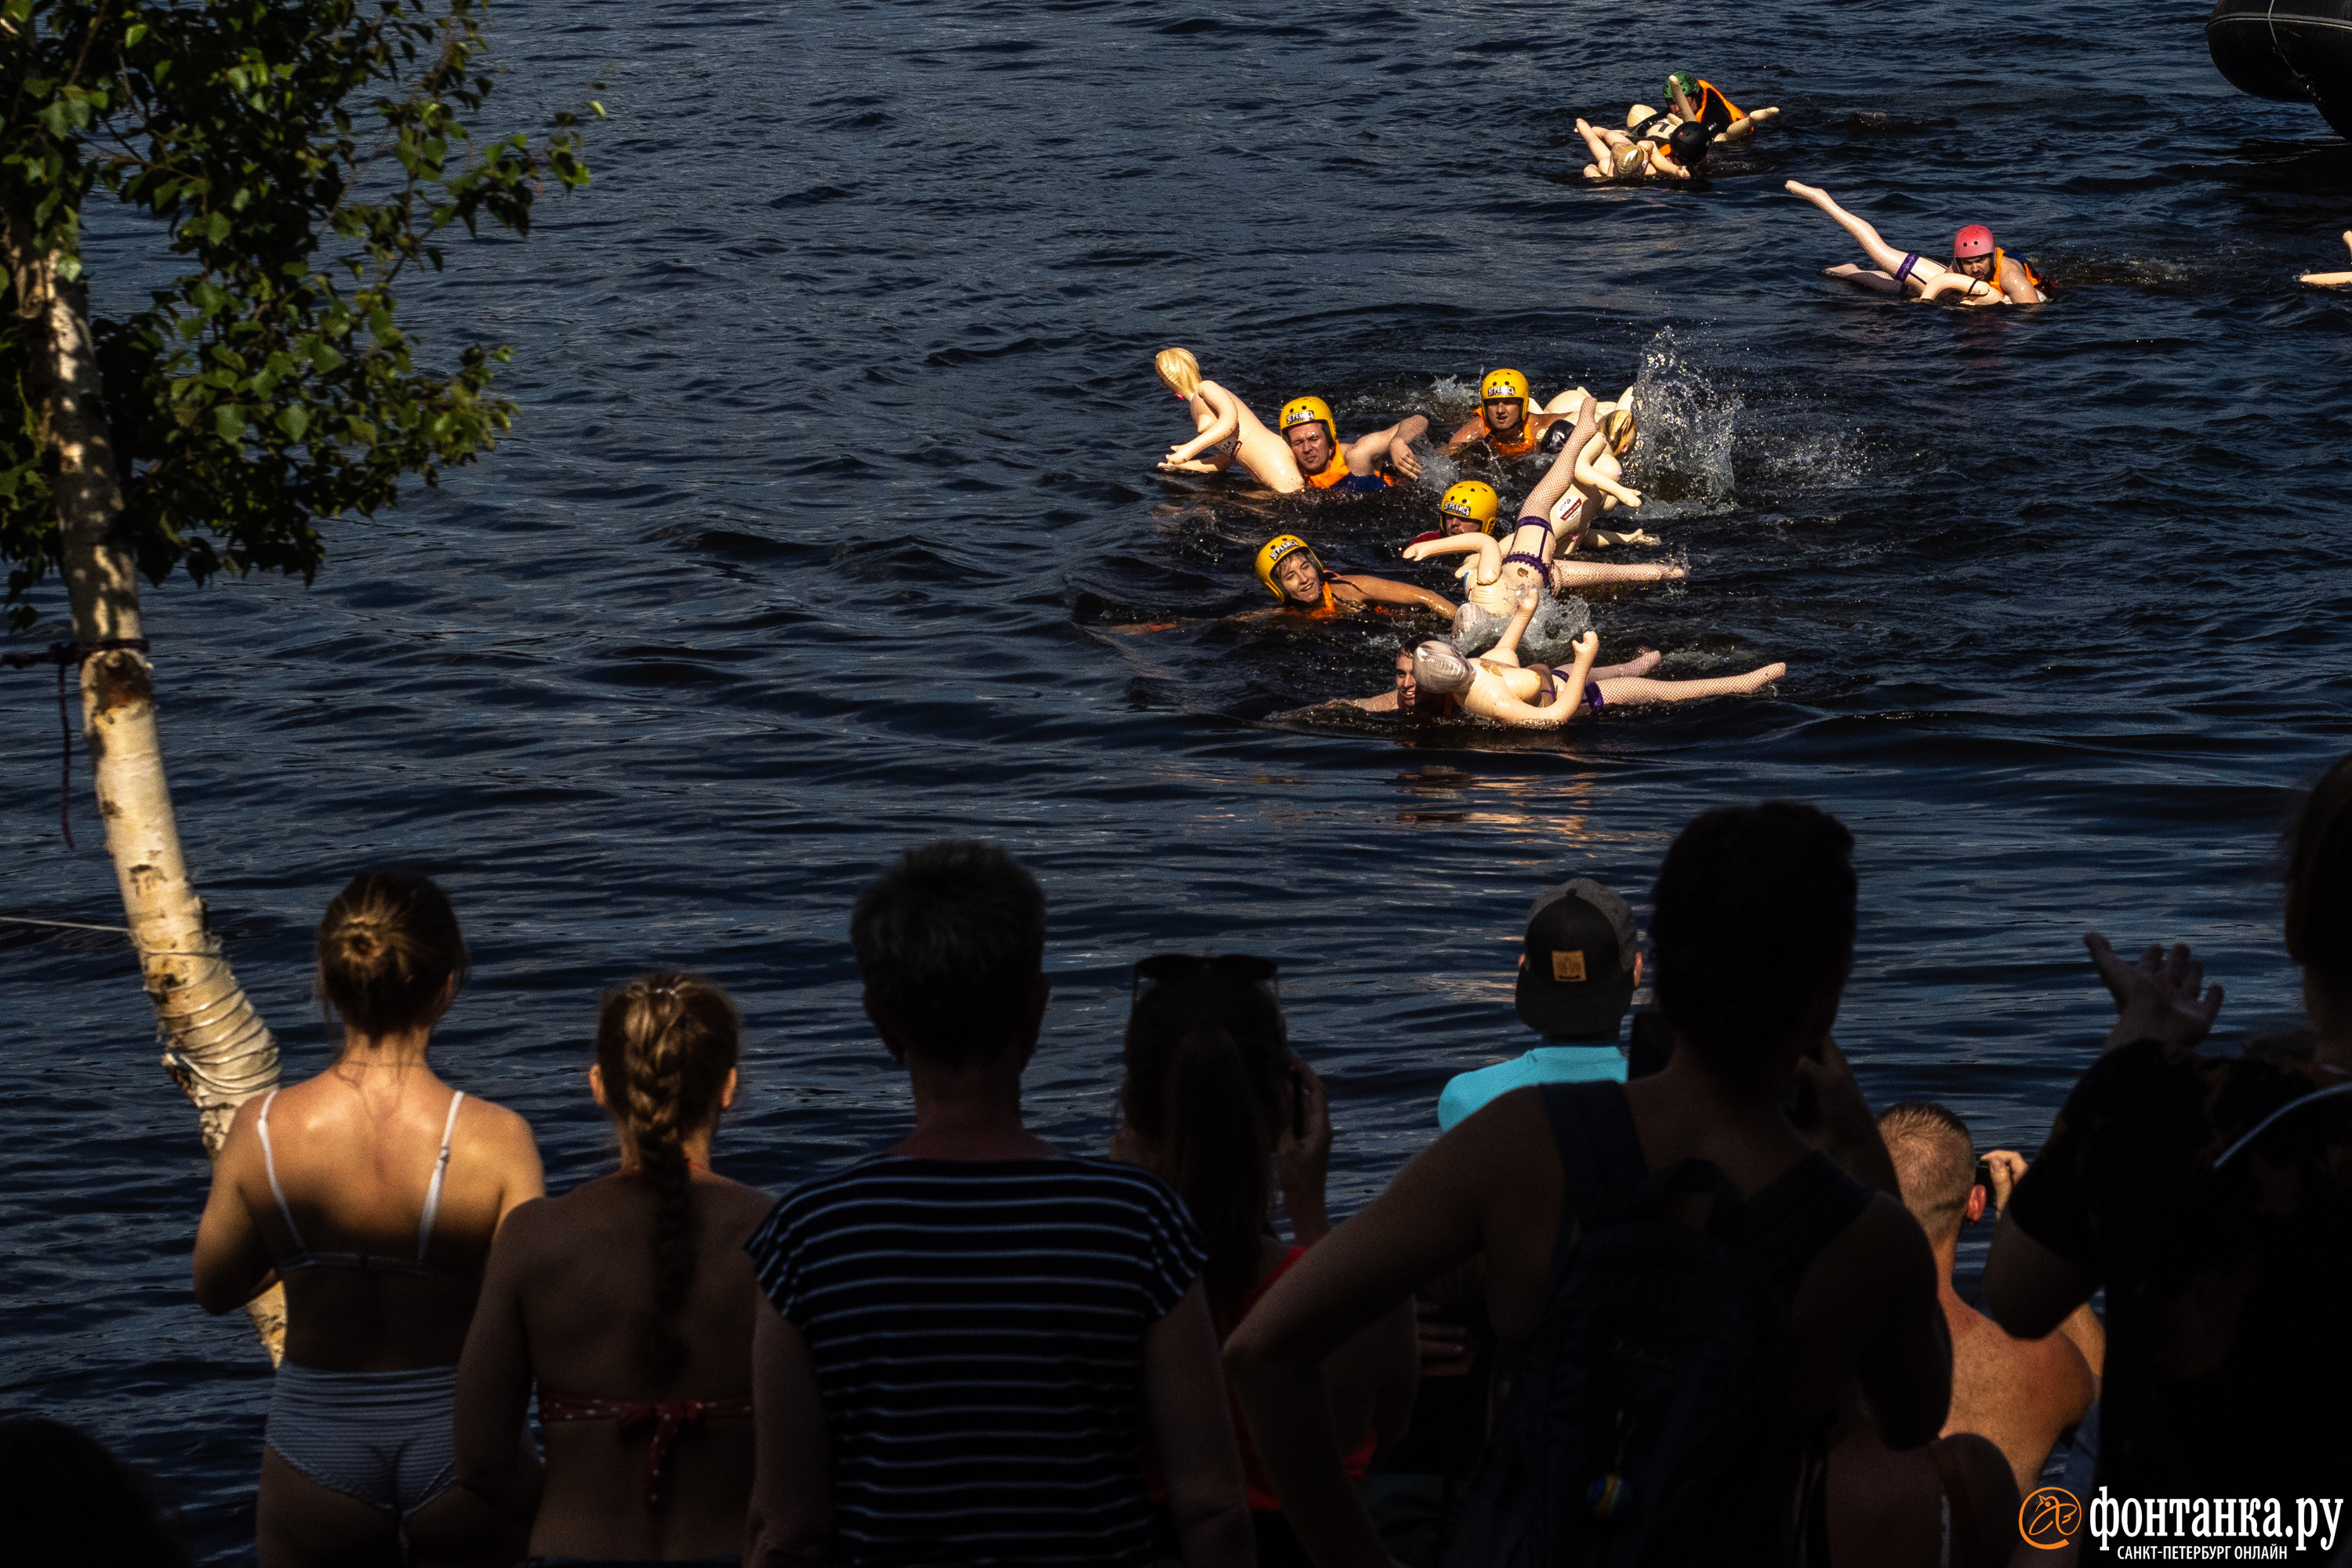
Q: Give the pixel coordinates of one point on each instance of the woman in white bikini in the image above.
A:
(629, 1303)
(1229, 432)
(372, 1190)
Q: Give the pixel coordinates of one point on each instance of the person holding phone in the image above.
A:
(1215, 1103)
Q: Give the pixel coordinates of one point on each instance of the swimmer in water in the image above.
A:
(1229, 432)
(1981, 273)
(1473, 507)
(1503, 421)
(1700, 101)
(2332, 280)
(1534, 696)
(1366, 465)
(1651, 146)
(1295, 574)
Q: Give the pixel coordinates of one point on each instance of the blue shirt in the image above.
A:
(1467, 1091)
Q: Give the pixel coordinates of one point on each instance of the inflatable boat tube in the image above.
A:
(2291, 51)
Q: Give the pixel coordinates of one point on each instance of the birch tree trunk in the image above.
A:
(215, 1045)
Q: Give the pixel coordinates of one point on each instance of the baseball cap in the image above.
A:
(1576, 979)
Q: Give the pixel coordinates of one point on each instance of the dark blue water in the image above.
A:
(835, 470)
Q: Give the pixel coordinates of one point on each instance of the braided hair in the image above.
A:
(665, 1044)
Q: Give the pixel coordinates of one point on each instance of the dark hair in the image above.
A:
(1206, 1058)
(666, 1044)
(1752, 918)
(68, 1499)
(951, 940)
(2320, 868)
(1935, 1163)
(388, 944)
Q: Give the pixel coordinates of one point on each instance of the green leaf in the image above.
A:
(134, 34)
(294, 420)
(229, 420)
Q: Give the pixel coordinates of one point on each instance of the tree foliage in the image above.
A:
(296, 159)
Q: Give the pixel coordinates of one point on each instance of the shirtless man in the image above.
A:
(1700, 101)
(1503, 421)
(1365, 464)
(1981, 273)
(1535, 696)
(1752, 927)
(2332, 280)
(2022, 1393)
(1295, 574)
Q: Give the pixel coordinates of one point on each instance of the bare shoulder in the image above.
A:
(737, 1207)
(498, 1126)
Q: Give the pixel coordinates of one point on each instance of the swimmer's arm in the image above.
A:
(1395, 444)
(2020, 291)
(1472, 429)
(1381, 591)
(1386, 702)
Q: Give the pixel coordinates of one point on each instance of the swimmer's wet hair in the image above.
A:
(387, 946)
(1178, 369)
(951, 940)
(1752, 920)
(2319, 882)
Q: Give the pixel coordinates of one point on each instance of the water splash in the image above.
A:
(1682, 460)
(1550, 638)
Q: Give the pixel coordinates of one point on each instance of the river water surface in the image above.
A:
(835, 472)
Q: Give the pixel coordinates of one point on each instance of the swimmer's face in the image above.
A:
(1405, 690)
(1298, 577)
(1976, 266)
(1311, 444)
(1453, 525)
(1505, 415)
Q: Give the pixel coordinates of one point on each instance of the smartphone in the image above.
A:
(1297, 1101)
(1984, 1177)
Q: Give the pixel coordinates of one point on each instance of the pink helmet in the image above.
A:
(1974, 241)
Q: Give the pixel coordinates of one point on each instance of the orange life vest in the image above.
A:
(1323, 611)
(1708, 89)
(1338, 473)
(1518, 449)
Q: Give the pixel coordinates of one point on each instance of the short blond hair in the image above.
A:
(1638, 113)
(1179, 370)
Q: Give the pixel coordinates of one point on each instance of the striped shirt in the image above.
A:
(977, 1331)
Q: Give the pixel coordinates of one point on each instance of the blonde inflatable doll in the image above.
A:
(1228, 430)
(2332, 280)
(1534, 696)
(1653, 146)
(1493, 581)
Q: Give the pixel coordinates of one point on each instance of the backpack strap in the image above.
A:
(1599, 1158)
(1725, 1216)
(1796, 1216)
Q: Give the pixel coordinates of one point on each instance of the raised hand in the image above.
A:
(2157, 997)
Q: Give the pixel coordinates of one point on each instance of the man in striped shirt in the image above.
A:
(974, 1336)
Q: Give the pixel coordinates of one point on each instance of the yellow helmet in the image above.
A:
(1308, 411)
(1473, 499)
(1274, 551)
(1503, 384)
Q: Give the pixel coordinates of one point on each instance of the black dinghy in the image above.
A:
(2294, 51)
